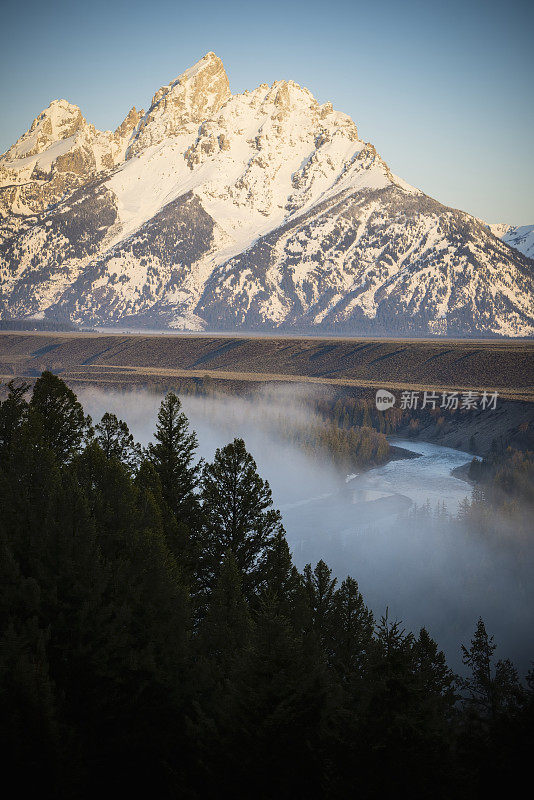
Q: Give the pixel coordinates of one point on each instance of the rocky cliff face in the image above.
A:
(60, 152)
(260, 210)
(184, 104)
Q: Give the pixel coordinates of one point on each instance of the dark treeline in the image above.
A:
(506, 477)
(156, 638)
(350, 434)
(502, 503)
(343, 409)
(322, 438)
(351, 431)
(347, 427)
(26, 324)
(347, 448)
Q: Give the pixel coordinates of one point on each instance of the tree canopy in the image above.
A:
(156, 638)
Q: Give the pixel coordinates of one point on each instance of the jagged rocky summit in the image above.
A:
(255, 211)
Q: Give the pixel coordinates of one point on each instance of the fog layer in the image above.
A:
(426, 570)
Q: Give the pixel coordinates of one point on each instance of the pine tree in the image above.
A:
(491, 689)
(282, 579)
(29, 485)
(319, 587)
(389, 713)
(13, 412)
(237, 514)
(46, 533)
(111, 495)
(478, 658)
(29, 736)
(223, 637)
(436, 680)
(135, 642)
(65, 427)
(226, 630)
(281, 709)
(494, 744)
(173, 455)
(115, 439)
(351, 631)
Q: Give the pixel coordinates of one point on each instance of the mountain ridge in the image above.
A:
(259, 210)
(520, 237)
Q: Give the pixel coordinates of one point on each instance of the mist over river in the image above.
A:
(427, 570)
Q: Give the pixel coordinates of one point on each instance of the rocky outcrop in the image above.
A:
(196, 95)
(60, 152)
(123, 133)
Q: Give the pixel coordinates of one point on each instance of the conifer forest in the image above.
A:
(158, 641)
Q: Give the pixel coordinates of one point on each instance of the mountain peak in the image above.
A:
(194, 96)
(58, 121)
(129, 123)
(209, 58)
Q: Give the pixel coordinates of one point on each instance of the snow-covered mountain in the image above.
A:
(59, 152)
(260, 210)
(520, 237)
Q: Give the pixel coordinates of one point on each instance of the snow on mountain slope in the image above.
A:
(59, 152)
(521, 237)
(374, 261)
(257, 210)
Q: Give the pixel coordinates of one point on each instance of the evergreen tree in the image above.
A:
(494, 739)
(437, 682)
(29, 735)
(226, 630)
(65, 425)
(48, 537)
(156, 513)
(319, 587)
(478, 658)
(390, 714)
(351, 631)
(237, 514)
(29, 486)
(282, 710)
(116, 441)
(173, 455)
(223, 639)
(491, 689)
(282, 580)
(13, 412)
(134, 641)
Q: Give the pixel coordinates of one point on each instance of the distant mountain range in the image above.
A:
(521, 237)
(255, 211)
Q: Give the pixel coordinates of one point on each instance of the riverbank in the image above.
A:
(397, 453)
(462, 472)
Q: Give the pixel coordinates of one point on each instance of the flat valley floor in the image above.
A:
(505, 366)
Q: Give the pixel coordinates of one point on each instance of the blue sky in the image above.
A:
(445, 91)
